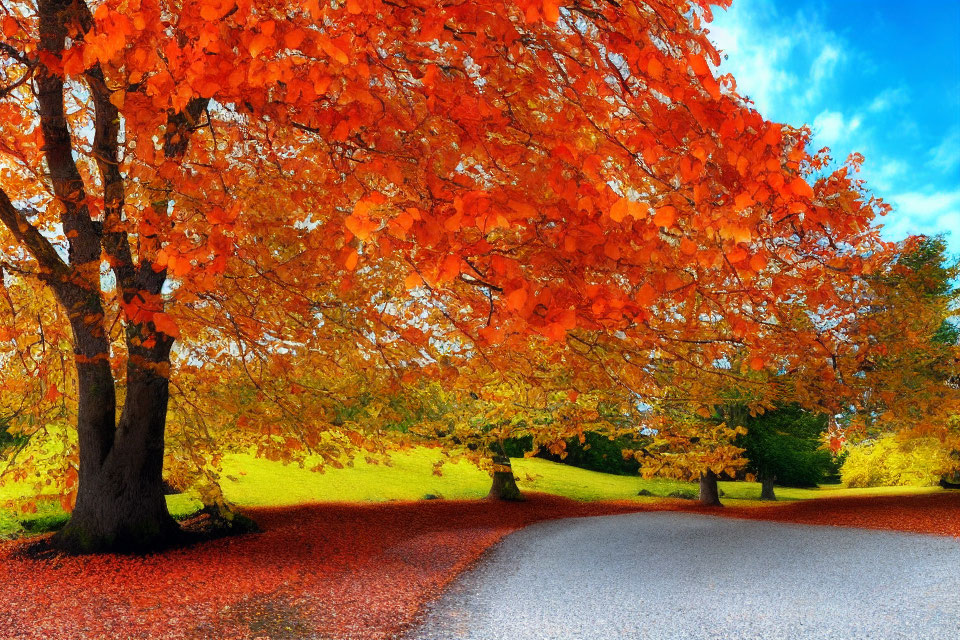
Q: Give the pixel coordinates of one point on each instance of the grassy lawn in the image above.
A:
(250, 482)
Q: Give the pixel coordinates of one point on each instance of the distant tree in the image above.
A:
(484, 414)
(693, 448)
(903, 358)
(601, 452)
(904, 354)
(784, 446)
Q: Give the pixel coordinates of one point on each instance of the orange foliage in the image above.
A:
(290, 192)
(938, 514)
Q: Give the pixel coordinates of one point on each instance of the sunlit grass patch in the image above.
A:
(252, 482)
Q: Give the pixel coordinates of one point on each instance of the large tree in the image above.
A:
(532, 166)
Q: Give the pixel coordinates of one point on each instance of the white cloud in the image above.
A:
(885, 174)
(831, 127)
(757, 64)
(798, 71)
(783, 63)
(822, 69)
(929, 212)
(886, 99)
(945, 156)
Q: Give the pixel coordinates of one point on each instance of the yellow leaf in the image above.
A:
(626, 207)
(742, 234)
(758, 262)
(351, 262)
(619, 210)
(166, 324)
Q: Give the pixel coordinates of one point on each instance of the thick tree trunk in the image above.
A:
(120, 504)
(120, 501)
(709, 491)
(766, 485)
(504, 485)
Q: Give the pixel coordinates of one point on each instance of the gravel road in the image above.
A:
(670, 576)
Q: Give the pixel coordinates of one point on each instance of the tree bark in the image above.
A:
(120, 503)
(766, 485)
(709, 491)
(504, 486)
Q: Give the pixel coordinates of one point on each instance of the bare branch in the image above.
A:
(29, 236)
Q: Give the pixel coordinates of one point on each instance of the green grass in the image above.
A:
(248, 481)
(252, 482)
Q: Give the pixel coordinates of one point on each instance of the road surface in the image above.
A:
(675, 576)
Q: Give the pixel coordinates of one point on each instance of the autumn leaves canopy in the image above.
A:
(298, 199)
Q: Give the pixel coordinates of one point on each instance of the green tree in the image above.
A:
(784, 446)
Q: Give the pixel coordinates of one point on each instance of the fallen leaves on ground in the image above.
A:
(936, 513)
(337, 571)
(318, 571)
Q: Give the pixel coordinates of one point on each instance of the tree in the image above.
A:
(902, 356)
(488, 405)
(35, 381)
(785, 446)
(692, 447)
(534, 169)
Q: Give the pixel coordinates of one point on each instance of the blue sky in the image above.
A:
(878, 77)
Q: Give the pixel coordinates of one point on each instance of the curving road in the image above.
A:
(670, 576)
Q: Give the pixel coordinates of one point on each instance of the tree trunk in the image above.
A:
(709, 491)
(504, 485)
(120, 502)
(946, 482)
(766, 483)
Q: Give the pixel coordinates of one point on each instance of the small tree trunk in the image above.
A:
(709, 491)
(120, 501)
(504, 485)
(766, 485)
(947, 483)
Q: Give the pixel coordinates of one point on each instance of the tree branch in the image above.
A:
(82, 234)
(14, 53)
(29, 236)
(105, 151)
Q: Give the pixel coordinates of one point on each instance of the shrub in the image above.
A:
(893, 461)
(517, 447)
